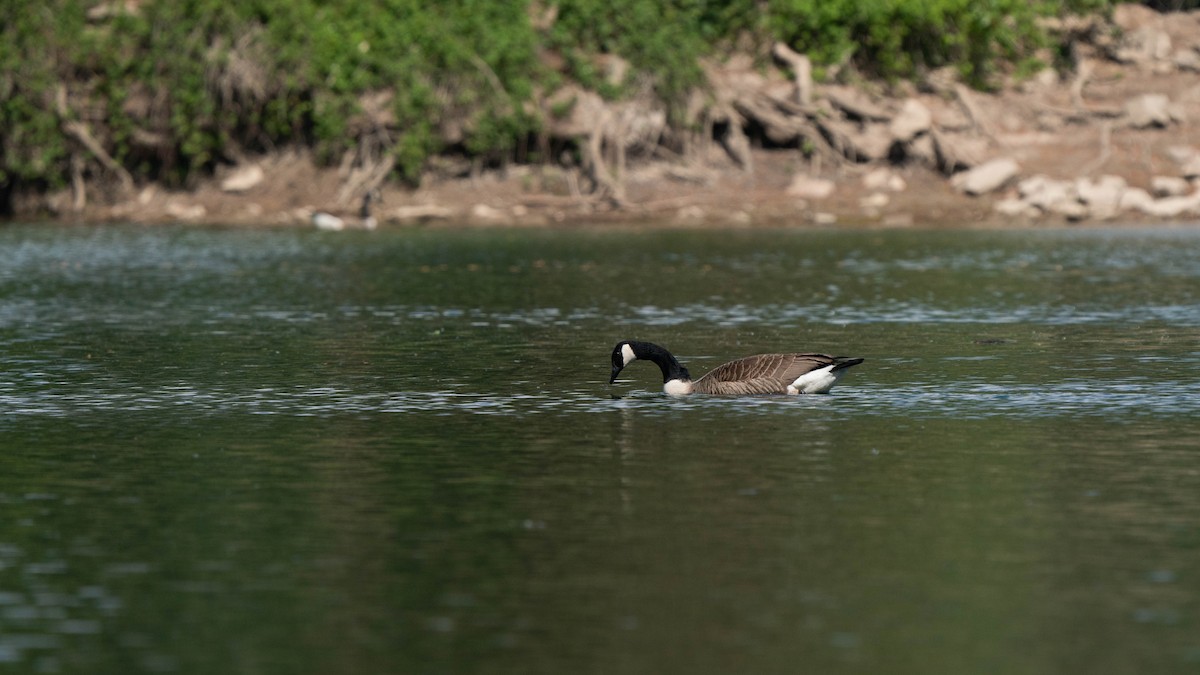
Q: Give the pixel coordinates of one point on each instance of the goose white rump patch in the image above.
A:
(818, 381)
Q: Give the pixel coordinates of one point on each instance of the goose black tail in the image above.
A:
(843, 362)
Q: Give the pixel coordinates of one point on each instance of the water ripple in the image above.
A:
(908, 312)
(53, 321)
(1129, 398)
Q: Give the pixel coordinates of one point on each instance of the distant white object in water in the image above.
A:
(328, 222)
(331, 223)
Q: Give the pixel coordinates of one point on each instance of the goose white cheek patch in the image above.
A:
(627, 354)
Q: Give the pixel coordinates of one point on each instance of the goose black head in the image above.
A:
(622, 356)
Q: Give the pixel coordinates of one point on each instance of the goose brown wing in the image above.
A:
(740, 387)
(761, 374)
(803, 363)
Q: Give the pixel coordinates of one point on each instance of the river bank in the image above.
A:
(1115, 138)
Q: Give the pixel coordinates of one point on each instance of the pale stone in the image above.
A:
(1135, 198)
(1169, 186)
(1172, 207)
(1032, 185)
(1015, 208)
(872, 142)
(855, 103)
(874, 201)
(1101, 189)
(1182, 154)
(910, 121)
(923, 150)
(950, 118)
(243, 179)
(1130, 17)
(485, 212)
(1144, 45)
(1070, 209)
(883, 179)
(1043, 191)
(807, 187)
(419, 212)
(186, 211)
(1103, 196)
(875, 179)
(1187, 59)
(1149, 110)
(1191, 168)
(958, 151)
(1060, 197)
(987, 177)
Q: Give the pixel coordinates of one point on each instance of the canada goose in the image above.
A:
(760, 374)
(332, 223)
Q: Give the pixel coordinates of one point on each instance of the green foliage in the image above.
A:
(664, 39)
(895, 38)
(656, 37)
(35, 43)
(211, 76)
(209, 79)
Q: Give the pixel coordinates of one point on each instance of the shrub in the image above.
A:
(205, 80)
(895, 38)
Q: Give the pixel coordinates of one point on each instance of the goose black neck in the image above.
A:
(671, 368)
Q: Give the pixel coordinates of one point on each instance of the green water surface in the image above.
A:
(227, 451)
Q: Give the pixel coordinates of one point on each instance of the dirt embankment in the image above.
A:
(1116, 138)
